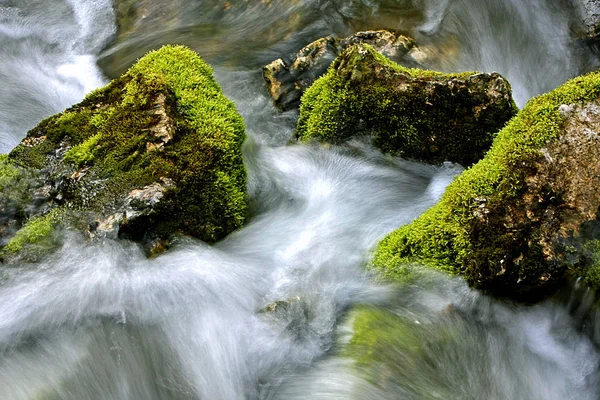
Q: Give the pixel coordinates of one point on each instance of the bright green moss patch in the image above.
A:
(419, 114)
(37, 231)
(83, 152)
(485, 226)
(165, 122)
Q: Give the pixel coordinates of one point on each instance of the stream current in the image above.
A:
(100, 321)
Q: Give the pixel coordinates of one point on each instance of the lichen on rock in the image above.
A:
(157, 152)
(419, 114)
(518, 220)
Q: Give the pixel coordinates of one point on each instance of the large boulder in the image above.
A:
(156, 152)
(288, 80)
(527, 213)
(414, 113)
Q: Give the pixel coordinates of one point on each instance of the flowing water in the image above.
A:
(265, 313)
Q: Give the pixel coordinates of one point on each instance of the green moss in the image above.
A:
(9, 173)
(37, 231)
(591, 272)
(408, 112)
(450, 236)
(83, 152)
(113, 132)
(15, 183)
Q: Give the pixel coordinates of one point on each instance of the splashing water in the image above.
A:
(47, 59)
(264, 314)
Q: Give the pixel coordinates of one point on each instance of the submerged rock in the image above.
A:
(156, 152)
(527, 213)
(419, 114)
(287, 81)
(410, 353)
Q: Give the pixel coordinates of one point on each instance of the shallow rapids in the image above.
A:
(266, 313)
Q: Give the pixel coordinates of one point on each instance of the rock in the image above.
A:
(154, 153)
(525, 215)
(293, 315)
(413, 113)
(590, 13)
(287, 82)
(19, 193)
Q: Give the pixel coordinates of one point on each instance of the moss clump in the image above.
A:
(15, 197)
(83, 152)
(424, 115)
(9, 173)
(489, 225)
(165, 120)
(37, 232)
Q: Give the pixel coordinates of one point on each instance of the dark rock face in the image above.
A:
(418, 114)
(156, 152)
(528, 213)
(287, 81)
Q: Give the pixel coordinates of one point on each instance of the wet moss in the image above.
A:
(414, 113)
(468, 232)
(83, 152)
(36, 236)
(166, 119)
(9, 173)
(15, 197)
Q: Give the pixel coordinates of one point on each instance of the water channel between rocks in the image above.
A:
(100, 321)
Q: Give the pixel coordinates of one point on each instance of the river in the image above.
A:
(100, 321)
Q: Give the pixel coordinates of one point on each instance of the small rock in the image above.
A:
(287, 82)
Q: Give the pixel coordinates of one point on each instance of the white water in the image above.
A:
(102, 322)
(525, 40)
(47, 59)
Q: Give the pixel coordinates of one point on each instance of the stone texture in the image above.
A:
(413, 113)
(590, 11)
(155, 153)
(287, 81)
(526, 215)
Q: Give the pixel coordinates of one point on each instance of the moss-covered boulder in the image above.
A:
(527, 213)
(287, 80)
(419, 114)
(155, 152)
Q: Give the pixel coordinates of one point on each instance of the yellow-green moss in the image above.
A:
(8, 172)
(37, 231)
(363, 92)
(15, 183)
(83, 152)
(112, 133)
(449, 236)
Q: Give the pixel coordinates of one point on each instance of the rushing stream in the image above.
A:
(100, 321)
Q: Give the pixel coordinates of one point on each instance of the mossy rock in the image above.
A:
(413, 113)
(523, 216)
(155, 152)
(287, 80)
